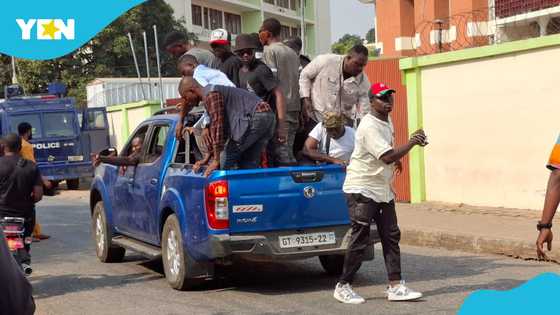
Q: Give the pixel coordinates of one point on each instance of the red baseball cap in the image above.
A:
(379, 89)
(220, 36)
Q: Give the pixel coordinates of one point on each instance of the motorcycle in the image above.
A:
(14, 232)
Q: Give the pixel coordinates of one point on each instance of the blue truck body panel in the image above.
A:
(294, 199)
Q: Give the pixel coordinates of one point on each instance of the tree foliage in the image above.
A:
(344, 44)
(107, 55)
(370, 36)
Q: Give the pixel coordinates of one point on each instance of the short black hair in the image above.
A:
(175, 38)
(359, 49)
(187, 58)
(12, 143)
(273, 26)
(24, 128)
(294, 43)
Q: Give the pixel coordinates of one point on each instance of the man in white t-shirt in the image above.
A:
(330, 141)
(370, 198)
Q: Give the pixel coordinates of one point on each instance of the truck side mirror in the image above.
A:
(111, 151)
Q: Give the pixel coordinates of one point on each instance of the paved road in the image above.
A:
(68, 279)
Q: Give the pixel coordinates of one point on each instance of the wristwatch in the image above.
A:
(541, 226)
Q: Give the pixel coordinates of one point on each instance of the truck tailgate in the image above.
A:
(287, 198)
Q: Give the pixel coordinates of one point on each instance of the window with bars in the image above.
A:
(285, 32)
(196, 15)
(216, 20)
(205, 17)
(233, 23)
(283, 3)
(296, 31)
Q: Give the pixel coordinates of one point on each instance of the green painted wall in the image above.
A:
(126, 129)
(253, 2)
(310, 40)
(251, 21)
(412, 77)
(310, 9)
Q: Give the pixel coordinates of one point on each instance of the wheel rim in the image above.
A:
(173, 257)
(99, 234)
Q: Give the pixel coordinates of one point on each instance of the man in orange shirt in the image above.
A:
(551, 201)
(25, 131)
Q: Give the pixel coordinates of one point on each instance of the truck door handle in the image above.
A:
(153, 181)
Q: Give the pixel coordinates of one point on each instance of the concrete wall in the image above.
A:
(491, 117)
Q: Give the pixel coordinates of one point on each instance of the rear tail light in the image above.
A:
(217, 208)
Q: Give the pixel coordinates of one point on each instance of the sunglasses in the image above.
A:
(244, 52)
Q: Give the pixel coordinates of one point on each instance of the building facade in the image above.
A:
(310, 18)
(420, 27)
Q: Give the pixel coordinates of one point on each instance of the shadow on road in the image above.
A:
(49, 286)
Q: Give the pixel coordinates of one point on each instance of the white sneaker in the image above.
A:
(344, 293)
(401, 292)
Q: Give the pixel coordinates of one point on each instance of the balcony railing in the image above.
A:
(507, 8)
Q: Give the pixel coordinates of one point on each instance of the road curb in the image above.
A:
(473, 244)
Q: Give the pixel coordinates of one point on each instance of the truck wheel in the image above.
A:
(332, 264)
(73, 184)
(102, 234)
(173, 255)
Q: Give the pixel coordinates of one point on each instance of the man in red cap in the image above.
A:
(369, 196)
(220, 42)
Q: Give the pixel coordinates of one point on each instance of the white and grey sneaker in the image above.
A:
(401, 292)
(344, 293)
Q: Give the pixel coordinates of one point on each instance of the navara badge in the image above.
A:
(309, 192)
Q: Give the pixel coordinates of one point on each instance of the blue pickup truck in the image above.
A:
(161, 208)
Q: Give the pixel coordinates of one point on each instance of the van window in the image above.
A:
(96, 120)
(59, 124)
(33, 119)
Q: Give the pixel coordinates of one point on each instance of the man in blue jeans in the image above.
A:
(241, 124)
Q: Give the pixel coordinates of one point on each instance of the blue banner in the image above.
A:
(41, 30)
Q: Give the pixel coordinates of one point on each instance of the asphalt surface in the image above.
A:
(68, 278)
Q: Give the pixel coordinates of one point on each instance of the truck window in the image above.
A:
(33, 119)
(59, 124)
(96, 120)
(157, 143)
(140, 133)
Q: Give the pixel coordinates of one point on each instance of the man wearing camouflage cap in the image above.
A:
(330, 141)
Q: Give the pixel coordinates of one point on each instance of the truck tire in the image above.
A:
(102, 234)
(175, 262)
(73, 184)
(332, 264)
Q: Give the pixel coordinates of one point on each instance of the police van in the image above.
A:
(63, 136)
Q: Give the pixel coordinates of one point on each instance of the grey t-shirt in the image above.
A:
(284, 63)
(204, 57)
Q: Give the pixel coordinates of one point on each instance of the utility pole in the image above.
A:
(14, 76)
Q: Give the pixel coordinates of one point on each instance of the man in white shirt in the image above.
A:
(334, 83)
(369, 196)
(330, 141)
(188, 66)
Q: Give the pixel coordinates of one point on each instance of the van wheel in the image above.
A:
(332, 264)
(102, 234)
(73, 184)
(175, 264)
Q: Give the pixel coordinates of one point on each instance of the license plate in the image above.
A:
(75, 158)
(304, 240)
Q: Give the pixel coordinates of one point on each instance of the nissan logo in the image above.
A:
(309, 192)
